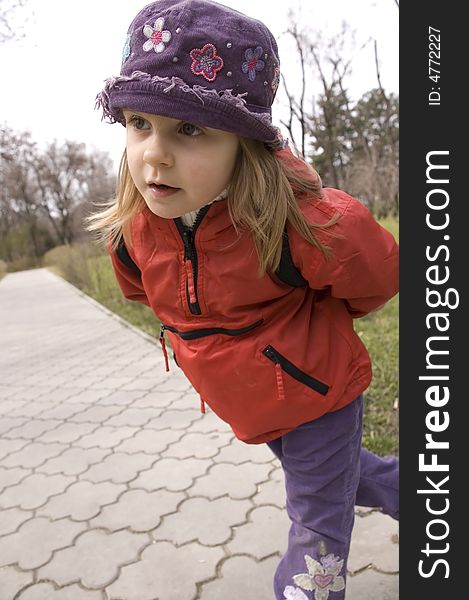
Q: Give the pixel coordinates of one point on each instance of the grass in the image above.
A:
(91, 271)
(380, 334)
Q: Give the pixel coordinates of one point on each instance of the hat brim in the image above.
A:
(197, 105)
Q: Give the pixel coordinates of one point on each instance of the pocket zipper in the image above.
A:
(195, 334)
(294, 372)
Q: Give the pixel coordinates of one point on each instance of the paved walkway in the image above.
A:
(113, 486)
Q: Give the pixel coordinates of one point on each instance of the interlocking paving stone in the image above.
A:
(46, 591)
(120, 398)
(56, 410)
(134, 417)
(167, 573)
(198, 445)
(151, 442)
(237, 453)
(58, 395)
(12, 581)
(185, 400)
(9, 407)
(86, 397)
(95, 414)
(68, 433)
(82, 500)
(174, 419)
(266, 533)
(10, 477)
(7, 423)
(106, 437)
(111, 383)
(142, 383)
(238, 481)
(21, 427)
(176, 382)
(33, 455)
(244, 578)
(34, 490)
(207, 521)
(73, 461)
(11, 519)
(373, 543)
(95, 558)
(84, 382)
(9, 446)
(209, 423)
(120, 467)
(273, 491)
(157, 399)
(138, 487)
(371, 585)
(138, 509)
(172, 474)
(36, 540)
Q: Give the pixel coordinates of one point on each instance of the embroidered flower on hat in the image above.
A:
(205, 62)
(126, 49)
(322, 577)
(276, 79)
(253, 62)
(157, 36)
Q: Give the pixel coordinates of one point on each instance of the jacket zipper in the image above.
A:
(294, 372)
(191, 262)
(194, 334)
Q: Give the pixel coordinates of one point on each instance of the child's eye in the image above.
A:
(190, 129)
(137, 122)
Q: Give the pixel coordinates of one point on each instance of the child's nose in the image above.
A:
(158, 152)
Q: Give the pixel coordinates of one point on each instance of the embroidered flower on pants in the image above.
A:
(126, 49)
(205, 62)
(294, 593)
(253, 62)
(322, 577)
(157, 37)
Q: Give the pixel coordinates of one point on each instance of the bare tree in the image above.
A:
(297, 107)
(67, 176)
(47, 190)
(373, 172)
(352, 144)
(18, 189)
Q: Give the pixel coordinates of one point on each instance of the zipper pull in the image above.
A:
(280, 385)
(187, 243)
(163, 346)
(272, 355)
(190, 281)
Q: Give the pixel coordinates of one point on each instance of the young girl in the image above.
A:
(208, 196)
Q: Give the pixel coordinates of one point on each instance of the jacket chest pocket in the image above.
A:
(283, 364)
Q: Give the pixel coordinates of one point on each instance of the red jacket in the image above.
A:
(265, 357)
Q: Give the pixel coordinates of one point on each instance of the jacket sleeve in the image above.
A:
(128, 274)
(363, 270)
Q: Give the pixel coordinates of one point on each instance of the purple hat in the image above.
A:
(199, 61)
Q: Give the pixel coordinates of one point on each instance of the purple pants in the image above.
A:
(327, 472)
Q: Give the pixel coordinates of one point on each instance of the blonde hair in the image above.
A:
(263, 197)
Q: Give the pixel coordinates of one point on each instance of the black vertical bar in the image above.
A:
(434, 241)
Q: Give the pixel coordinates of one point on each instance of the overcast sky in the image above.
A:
(49, 79)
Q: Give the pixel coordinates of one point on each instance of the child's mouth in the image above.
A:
(162, 186)
(161, 190)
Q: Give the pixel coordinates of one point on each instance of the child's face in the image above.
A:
(196, 162)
